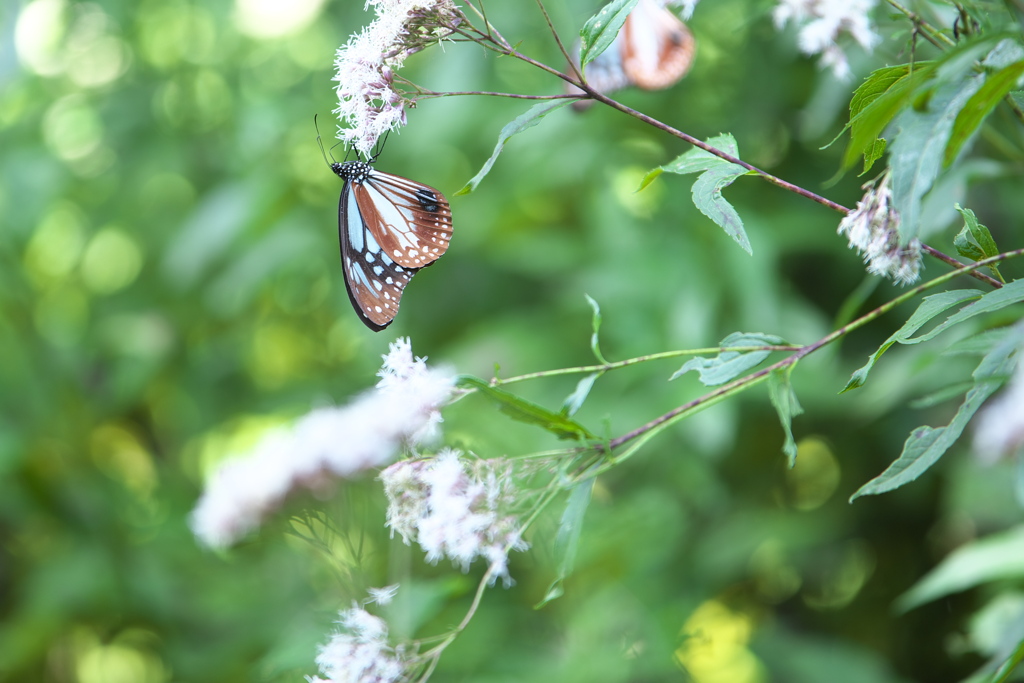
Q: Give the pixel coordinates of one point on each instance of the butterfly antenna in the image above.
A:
(319, 141)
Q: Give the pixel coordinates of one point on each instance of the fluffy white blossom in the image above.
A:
(685, 6)
(999, 429)
(325, 443)
(359, 652)
(873, 230)
(368, 104)
(456, 509)
(822, 22)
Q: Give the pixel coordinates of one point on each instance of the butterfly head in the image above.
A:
(352, 171)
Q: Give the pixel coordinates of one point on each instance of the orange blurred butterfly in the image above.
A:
(389, 227)
(653, 50)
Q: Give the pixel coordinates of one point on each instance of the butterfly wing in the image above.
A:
(657, 49)
(389, 227)
(412, 222)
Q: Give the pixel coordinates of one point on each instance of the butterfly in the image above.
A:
(389, 227)
(652, 51)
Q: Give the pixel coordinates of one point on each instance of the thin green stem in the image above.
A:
(605, 367)
(753, 378)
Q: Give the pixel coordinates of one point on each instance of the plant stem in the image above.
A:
(758, 376)
(605, 367)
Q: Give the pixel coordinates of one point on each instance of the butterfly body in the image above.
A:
(389, 227)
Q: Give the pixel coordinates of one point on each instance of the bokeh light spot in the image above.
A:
(72, 128)
(273, 19)
(111, 262)
(38, 35)
(814, 477)
(56, 245)
(715, 646)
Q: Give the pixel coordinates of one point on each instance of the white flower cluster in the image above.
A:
(873, 230)
(685, 6)
(1000, 428)
(823, 21)
(456, 509)
(368, 104)
(360, 651)
(325, 443)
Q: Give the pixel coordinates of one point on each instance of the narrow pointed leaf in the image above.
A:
(979, 106)
(926, 445)
(595, 322)
(600, 30)
(567, 539)
(729, 365)
(707, 196)
(995, 557)
(575, 400)
(527, 120)
(915, 155)
(526, 411)
(930, 307)
(783, 398)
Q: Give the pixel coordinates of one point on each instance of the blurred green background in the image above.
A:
(170, 286)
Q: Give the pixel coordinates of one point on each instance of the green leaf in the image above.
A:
(595, 322)
(782, 396)
(716, 174)
(930, 307)
(568, 537)
(873, 153)
(575, 400)
(915, 155)
(526, 411)
(983, 246)
(995, 557)
(527, 120)
(995, 300)
(979, 106)
(926, 445)
(600, 30)
(879, 99)
(707, 196)
(728, 365)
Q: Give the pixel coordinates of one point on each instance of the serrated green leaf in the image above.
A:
(979, 106)
(977, 344)
(995, 557)
(930, 307)
(526, 411)
(697, 160)
(926, 445)
(965, 247)
(995, 300)
(783, 398)
(880, 102)
(983, 245)
(529, 119)
(728, 365)
(568, 537)
(595, 323)
(915, 155)
(707, 196)
(979, 232)
(873, 153)
(600, 30)
(574, 401)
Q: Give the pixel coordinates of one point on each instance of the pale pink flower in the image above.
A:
(327, 443)
(455, 508)
(873, 230)
(360, 652)
(823, 22)
(368, 104)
